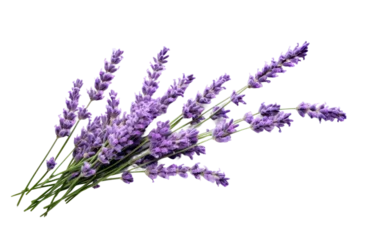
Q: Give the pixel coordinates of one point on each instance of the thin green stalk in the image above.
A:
(26, 188)
(37, 182)
(67, 139)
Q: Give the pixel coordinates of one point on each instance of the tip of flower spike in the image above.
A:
(50, 163)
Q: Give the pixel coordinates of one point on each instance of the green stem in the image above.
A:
(37, 182)
(26, 188)
(67, 139)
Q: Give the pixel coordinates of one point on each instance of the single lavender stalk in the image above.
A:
(106, 75)
(321, 112)
(212, 176)
(150, 84)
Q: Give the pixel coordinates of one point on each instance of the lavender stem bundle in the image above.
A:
(116, 145)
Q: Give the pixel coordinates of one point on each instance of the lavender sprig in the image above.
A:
(321, 112)
(150, 84)
(212, 176)
(102, 82)
(69, 119)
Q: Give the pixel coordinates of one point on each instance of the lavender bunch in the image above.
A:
(116, 145)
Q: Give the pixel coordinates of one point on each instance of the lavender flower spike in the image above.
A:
(104, 80)
(212, 176)
(175, 91)
(321, 112)
(289, 59)
(150, 85)
(69, 119)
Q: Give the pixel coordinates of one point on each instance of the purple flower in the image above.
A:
(174, 92)
(88, 141)
(69, 119)
(182, 171)
(50, 163)
(269, 110)
(268, 123)
(127, 131)
(223, 131)
(97, 187)
(112, 111)
(212, 176)
(248, 117)
(236, 99)
(219, 113)
(194, 108)
(86, 170)
(321, 112)
(127, 177)
(163, 55)
(218, 177)
(153, 171)
(150, 84)
(83, 113)
(104, 80)
(105, 155)
(281, 119)
(289, 59)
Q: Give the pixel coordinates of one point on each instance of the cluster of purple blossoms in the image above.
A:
(289, 59)
(270, 117)
(321, 112)
(129, 127)
(104, 80)
(127, 177)
(236, 98)
(219, 113)
(223, 131)
(164, 142)
(69, 119)
(194, 108)
(175, 91)
(212, 176)
(96, 133)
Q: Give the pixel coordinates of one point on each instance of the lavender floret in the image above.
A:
(127, 177)
(268, 123)
(236, 99)
(219, 113)
(50, 163)
(223, 131)
(87, 171)
(269, 110)
(97, 187)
